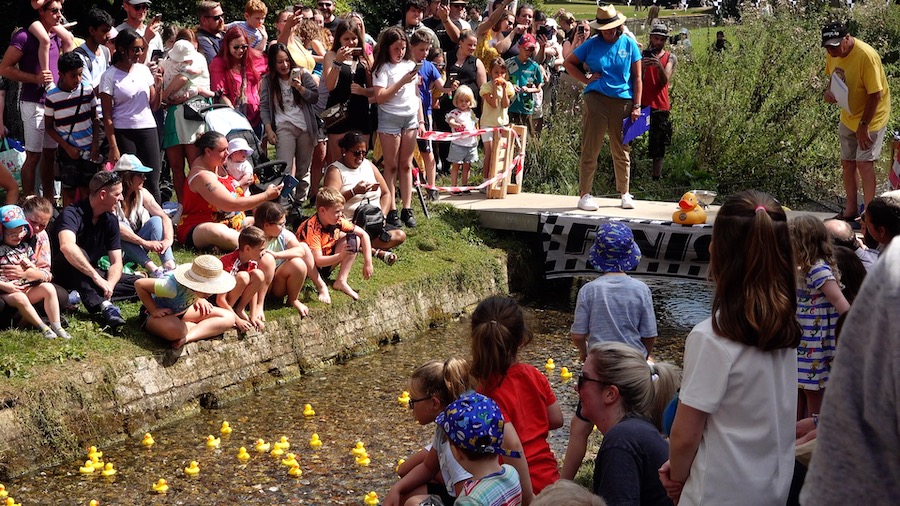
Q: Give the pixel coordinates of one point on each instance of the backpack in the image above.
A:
(369, 218)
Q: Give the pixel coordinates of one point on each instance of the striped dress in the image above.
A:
(818, 319)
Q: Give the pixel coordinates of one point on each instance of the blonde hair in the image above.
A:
(329, 197)
(447, 380)
(569, 493)
(644, 389)
(463, 92)
(812, 243)
(255, 7)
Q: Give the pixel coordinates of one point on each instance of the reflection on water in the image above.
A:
(355, 401)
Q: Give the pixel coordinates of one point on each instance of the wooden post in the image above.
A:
(515, 180)
(504, 151)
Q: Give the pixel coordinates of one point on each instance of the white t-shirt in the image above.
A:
(451, 471)
(405, 102)
(130, 92)
(351, 177)
(290, 112)
(746, 454)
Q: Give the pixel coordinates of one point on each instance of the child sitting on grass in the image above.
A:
(243, 264)
(474, 427)
(19, 293)
(175, 306)
(335, 240)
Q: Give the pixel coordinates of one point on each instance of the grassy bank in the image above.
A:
(449, 239)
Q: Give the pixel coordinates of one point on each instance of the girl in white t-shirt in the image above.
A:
(733, 436)
(400, 117)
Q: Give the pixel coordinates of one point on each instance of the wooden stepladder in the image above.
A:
(504, 150)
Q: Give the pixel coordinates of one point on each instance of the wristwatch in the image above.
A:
(863, 122)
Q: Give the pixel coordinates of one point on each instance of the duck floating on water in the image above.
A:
(87, 468)
(262, 446)
(314, 442)
(213, 442)
(565, 374)
(359, 450)
(308, 410)
(242, 455)
(549, 365)
(295, 471)
(161, 486)
(283, 443)
(93, 452)
(108, 470)
(371, 499)
(148, 440)
(193, 469)
(226, 428)
(363, 460)
(403, 400)
(690, 212)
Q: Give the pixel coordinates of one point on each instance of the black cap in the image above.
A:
(832, 34)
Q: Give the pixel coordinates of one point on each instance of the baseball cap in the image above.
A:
(614, 249)
(131, 163)
(832, 34)
(12, 216)
(138, 2)
(474, 423)
(527, 41)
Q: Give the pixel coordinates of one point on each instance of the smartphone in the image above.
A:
(445, 3)
(298, 8)
(417, 67)
(156, 55)
(580, 29)
(356, 50)
(295, 73)
(155, 19)
(290, 182)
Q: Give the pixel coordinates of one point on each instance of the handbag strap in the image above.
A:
(77, 110)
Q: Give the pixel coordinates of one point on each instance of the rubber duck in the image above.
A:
(282, 443)
(363, 460)
(94, 502)
(399, 463)
(226, 428)
(314, 442)
(404, 399)
(262, 446)
(161, 486)
(193, 469)
(87, 468)
(213, 442)
(276, 452)
(93, 452)
(371, 498)
(243, 456)
(565, 374)
(12, 502)
(290, 460)
(97, 463)
(148, 440)
(359, 450)
(549, 365)
(108, 470)
(689, 211)
(295, 471)
(3, 492)
(308, 410)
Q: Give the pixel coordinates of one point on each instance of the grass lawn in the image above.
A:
(586, 9)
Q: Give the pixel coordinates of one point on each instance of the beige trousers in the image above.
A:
(604, 115)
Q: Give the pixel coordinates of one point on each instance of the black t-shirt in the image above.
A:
(332, 26)
(96, 239)
(625, 470)
(437, 26)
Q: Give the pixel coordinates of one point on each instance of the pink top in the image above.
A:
(222, 78)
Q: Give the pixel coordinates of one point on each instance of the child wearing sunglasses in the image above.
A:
(39, 32)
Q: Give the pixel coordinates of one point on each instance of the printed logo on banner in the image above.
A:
(667, 248)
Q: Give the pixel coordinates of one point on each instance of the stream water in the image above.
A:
(354, 401)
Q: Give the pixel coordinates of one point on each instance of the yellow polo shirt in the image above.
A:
(864, 75)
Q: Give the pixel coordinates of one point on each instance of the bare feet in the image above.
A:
(243, 324)
(258, 321)
(344, 287)
(301, 308)
(324, 295)
(179, 343)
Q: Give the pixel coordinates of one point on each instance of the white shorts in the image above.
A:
(36, 139)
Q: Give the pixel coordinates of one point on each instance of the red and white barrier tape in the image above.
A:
(516, 165)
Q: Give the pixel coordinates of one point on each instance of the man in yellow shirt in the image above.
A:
(864, 121)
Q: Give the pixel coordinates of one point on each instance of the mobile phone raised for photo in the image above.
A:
(290, 182)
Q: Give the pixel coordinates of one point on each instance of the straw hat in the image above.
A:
(607, 17)
(205, 275)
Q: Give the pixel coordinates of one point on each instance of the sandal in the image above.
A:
(388, 257)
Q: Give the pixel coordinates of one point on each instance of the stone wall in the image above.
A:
(100, 403)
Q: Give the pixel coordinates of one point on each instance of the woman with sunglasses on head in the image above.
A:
(360, 182)
(129, 93)
(625, 398)
(237, 71)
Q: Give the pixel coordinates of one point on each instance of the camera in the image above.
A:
(547, 31)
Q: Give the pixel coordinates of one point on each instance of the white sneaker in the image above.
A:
(586, 203)
(627, 201)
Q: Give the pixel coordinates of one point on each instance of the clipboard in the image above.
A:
(634, 129)
(840, 91)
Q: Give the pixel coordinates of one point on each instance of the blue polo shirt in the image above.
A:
(613, 61)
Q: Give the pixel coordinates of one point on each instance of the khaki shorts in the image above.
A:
(850, 150)
(36, 139)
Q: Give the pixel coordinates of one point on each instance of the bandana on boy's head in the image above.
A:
(474, 422)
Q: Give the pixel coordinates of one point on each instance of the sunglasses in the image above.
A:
(242, 47)
(582, 379)
(140, 7)
(217, 17)
(361, 152)
(112, 181)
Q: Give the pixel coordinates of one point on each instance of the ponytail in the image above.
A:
(447, 380)
(498, 332)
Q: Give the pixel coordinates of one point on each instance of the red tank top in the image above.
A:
(196, 209)
(654, 90)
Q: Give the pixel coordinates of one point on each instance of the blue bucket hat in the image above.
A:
(614, 249)
(12, 216)
(474, 423)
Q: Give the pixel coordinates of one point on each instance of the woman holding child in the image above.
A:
(213, 215)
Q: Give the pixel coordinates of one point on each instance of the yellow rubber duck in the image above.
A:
(242, 455)
(549, 365)
(404, 399)
(565, 374)
(283, 443)
(359, 450)
(308, 410)
(363, 460)
(399, 463)
(108, 470)
(226, 428)
(93, 452)
(3, 492)
(295, 471)
(161, 486)
(371, 498)
(12, 502)
(148, 440)
(689, 212)
(213, 442)
(94, 502)
(314, 442)
(262, 446)
(87, 468)
(97, 463)
(193, 469)
(276, 452)
(290, 460)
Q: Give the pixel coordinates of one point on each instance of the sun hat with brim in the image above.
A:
(12, 216)
(239, 144)
(614, 249)
(833, 34)
(181, 51)
(474, 423)
(607, 17)
(659, 29)
(205, 275)
(131, 163)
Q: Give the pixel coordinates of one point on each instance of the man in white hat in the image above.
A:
(658, 65)
(862, 126)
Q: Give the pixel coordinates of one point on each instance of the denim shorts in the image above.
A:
(462, 154)
(393, 124)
